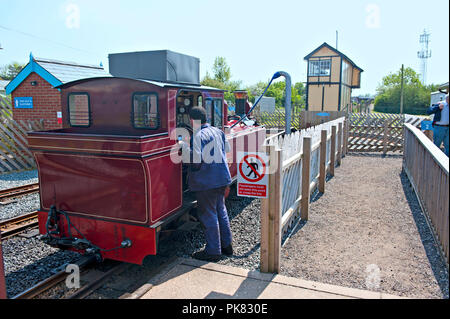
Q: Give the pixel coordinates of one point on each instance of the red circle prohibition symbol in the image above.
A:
(260, 176)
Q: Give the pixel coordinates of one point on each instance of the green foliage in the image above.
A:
(221, 79)
(9, 71)
(221, 70)
(416, 97)
(278, 90)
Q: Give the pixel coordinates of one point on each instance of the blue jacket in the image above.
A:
(436, 111)
(207, 169)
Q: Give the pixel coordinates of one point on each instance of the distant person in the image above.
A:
(440, 123)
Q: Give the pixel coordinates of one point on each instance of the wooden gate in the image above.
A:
(379, 132)
(14, 152)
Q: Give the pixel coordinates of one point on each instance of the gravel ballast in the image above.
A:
(22, 204)
(29, 261)
(18, 179)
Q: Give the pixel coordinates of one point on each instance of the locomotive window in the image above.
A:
(218, 110)
(208, 108)
(214, 111)
(200, 100)
(145, 110)
(79, 110)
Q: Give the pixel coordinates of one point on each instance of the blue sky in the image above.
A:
(257, 38)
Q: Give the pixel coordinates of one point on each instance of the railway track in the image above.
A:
(16, 225)
(7, 194)
(87, 270)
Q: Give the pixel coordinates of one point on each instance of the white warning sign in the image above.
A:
(252, 175)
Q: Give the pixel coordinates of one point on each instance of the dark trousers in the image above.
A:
(213, 215)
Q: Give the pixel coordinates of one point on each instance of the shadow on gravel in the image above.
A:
(247, 254)
(438, 266)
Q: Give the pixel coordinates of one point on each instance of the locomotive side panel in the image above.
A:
(166, 191)
(96, 186)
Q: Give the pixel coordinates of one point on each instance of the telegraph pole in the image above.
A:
(401, 92)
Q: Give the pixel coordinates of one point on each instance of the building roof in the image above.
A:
(335, 50)
(56, 72)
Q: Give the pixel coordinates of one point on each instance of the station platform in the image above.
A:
(194, 279)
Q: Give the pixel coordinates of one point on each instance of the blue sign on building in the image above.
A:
(323, 114)
(23, 102)
(426, 125)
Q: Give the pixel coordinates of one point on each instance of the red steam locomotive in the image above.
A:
(108, 183)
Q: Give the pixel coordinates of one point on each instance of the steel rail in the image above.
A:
(52, 281)
(91, 287)
(15, 225)
(19, 191)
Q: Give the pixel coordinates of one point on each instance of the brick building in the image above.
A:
(33, 92)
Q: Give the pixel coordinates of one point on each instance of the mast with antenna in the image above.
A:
(424, 54)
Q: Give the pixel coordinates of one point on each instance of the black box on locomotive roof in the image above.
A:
(161, 65)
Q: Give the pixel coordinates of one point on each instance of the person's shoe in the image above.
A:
(227, 251)
(203, 255)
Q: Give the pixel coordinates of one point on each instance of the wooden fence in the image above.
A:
(378, 132)
(298, 164)
(299, 119)
(14, 152)
(427, 169)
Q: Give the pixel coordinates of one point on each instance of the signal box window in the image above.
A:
(145, 111)
(79, 110)
(320, 67)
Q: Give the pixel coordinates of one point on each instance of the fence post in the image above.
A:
(340, 135)
(271, 216)
(333, 150)
(2, 273)
(345, 137)
(306, 167)
(323, 161)
(385, 137)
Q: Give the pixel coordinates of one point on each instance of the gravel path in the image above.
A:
(367, 231)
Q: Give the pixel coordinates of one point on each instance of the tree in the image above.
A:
(221, 79)
(9, 71)
(221, 70)
(416, 96)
